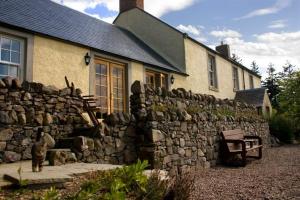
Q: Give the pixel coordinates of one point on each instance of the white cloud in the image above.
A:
(189, 29)
(155, 7)
(158, 7)
(279, 5)
(268, 47)
(277, 24)
(194, 31)
(226, 33)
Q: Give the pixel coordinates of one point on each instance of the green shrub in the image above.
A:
(155, 189)
(282, 127)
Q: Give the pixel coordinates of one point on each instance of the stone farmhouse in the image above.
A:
(42, 41)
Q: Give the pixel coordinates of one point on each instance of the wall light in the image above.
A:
(87, 59)
(172, 79)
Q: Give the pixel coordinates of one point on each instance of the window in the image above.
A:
(251, 83)
(110, 86)
(235, 75)
(212, 72)
(10, 57)
(156, 79)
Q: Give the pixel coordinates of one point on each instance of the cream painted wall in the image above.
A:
(136, 73)
(53, 60)
(197, 68)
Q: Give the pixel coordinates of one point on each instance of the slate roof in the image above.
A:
(252, 96)
(51, 19)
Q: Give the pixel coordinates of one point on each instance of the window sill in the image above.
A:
(213, 89)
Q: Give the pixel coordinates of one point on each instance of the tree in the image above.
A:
(287, 70)
(289, 98)
(236, 58)
(271, 83)
(254, 67)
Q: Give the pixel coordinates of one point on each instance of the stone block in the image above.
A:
(49, 140)
(137, 87)
(90, 143)
(181, 151)
(188, 152)
(2, 146)
(181, 142)
(10, 156)
(120, 145)
(6, 134)
(157, 136)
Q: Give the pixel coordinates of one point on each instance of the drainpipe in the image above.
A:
(244, 85)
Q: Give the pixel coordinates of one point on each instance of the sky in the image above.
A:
(264, 31)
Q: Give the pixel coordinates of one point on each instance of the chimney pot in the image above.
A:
(130, 4)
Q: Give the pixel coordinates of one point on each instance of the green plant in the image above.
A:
(51, 194)
(22, 182)
(133, 176)
(281, 127)
(155, 188)
(116, 191)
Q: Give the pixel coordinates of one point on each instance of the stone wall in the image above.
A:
(27, 107)
(174, 130)
(178, 129)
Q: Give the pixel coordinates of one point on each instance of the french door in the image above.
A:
(110, 86)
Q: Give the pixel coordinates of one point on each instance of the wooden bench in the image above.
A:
(237, 143)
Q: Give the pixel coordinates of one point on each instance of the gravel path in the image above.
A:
(276, 176)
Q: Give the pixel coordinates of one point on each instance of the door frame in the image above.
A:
(109, 63)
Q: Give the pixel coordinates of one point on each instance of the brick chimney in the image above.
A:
(130, 4)
(224, 49)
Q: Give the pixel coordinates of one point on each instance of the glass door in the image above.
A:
(110, 86)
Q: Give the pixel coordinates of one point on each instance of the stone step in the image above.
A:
(65, 143)
(57, 157)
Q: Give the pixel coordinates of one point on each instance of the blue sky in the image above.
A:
(261, 30)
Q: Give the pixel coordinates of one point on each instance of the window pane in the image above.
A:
(115, 104)
(3, 70)
(115, 72)
(15, 57)
(98, 79)
(15, 45)
(98, 91)
(5, 55)
(104, 69)
(103, 91)
(5, 43)
(13, 71)
(120, 93)
(103, 80)
(98, 69)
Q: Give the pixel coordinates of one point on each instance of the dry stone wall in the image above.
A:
(175, 130)
(180, 130)
(27, 107)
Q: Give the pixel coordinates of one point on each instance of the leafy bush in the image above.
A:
(282, 127)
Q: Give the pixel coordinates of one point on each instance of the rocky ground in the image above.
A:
(276, 176)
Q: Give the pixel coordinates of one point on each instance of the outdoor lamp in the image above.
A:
(172, 79)
(87, 59)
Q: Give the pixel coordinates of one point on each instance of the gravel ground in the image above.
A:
(275, 176)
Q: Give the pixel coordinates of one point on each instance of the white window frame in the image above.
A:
(251, 81)
(235, 78)
(212, 72)
(20, 66)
